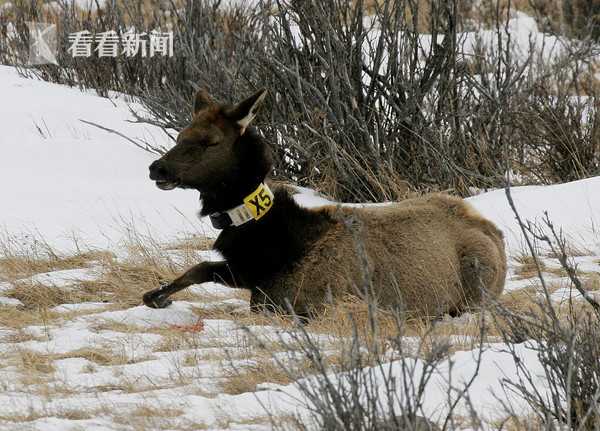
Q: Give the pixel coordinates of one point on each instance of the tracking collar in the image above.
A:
(255, 206)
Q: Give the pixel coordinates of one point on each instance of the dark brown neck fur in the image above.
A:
(253, 165)
(258, 250)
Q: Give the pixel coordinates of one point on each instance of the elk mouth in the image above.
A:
(167, 185)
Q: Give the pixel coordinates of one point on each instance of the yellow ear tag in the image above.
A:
(260, 201)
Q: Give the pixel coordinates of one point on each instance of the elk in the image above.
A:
(430, 255)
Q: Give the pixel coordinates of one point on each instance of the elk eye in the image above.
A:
(192, 144)
(184, 142)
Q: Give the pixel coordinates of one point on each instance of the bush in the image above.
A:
(362, 106)
(583, 17)
(565, 341)
(367, 382)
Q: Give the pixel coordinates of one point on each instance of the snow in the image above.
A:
(69, 183)
(4, 301)
(572, 207)
(82, 306)
(524, 36)
(64, 278)
(71, 180)
(179, 313)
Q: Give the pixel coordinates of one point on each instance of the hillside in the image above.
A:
(85, 233)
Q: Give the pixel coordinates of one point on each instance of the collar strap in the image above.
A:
(254, 207)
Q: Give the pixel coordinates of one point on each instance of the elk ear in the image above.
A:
(202, 100)
(244, 112)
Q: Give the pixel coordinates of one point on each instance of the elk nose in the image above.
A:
(158, 170)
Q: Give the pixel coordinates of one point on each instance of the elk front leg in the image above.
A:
(201, 273)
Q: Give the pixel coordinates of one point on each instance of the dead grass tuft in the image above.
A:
(285, 422)
(33, 415)
(120, 281)
(515, 423)
(155, 417)
(194, 243)
(341, 317)
(94, 354)
(123, 283)
(153, 411)
(30, 361)
(17, 264)
(573, 250)
(592, 282)
(527, 267)
(179, 340)
(521, 300)
(19, 319)
(245, 379)
(37, 295)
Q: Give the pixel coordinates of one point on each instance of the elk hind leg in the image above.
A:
(481, 267)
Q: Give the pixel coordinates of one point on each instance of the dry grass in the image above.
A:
(100, 356)
(527, 267)
(284, 422)
(244, 317)
(16, 318)
(573, 250)
(20, 336)
(514, 423)
(29, 361)
(152, 411)
(521, 300)
(37, 295)
(124, 283)
(195, 243)
(121, 281)
(202, 341)
(37, 369)
(33, 415)
(592, 282)
(17, 263)
(116, 326)
(340, 318)
(179, 340)
(244, 379)
(155, 417)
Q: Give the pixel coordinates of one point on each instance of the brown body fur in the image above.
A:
(428, 255)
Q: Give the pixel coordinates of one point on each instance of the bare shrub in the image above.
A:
(369, 373)
(367, 382)
(363, 105)
(564, 341)
(583, 17)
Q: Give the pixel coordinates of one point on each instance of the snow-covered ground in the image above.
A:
(76, 185)
(65, 180)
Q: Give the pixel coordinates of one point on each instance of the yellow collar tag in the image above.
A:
(260, 201)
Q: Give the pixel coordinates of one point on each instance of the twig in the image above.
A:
(146, 147)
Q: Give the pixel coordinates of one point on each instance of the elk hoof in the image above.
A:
(156, 299)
